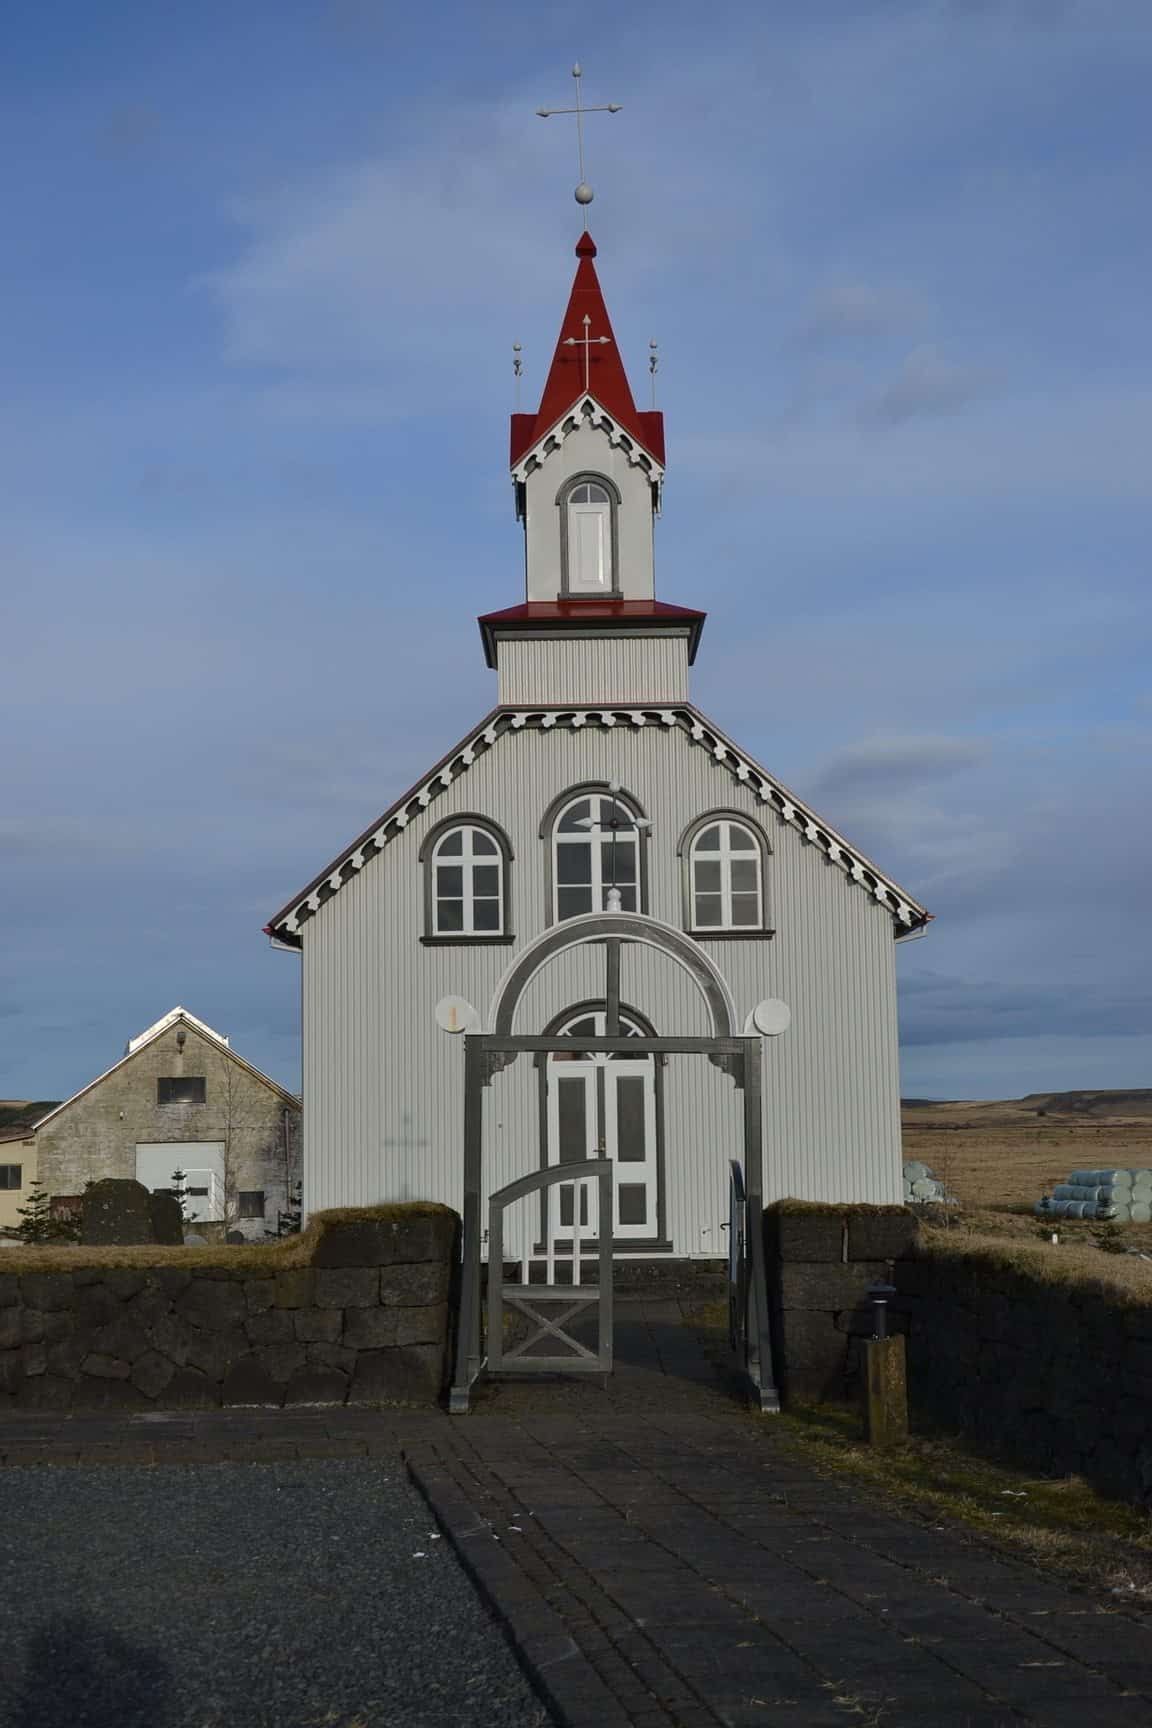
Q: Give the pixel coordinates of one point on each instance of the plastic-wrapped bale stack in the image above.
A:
(923, 1188)
(1123, 1195)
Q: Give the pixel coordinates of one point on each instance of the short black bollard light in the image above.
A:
(885, 1385)
(880, 1295)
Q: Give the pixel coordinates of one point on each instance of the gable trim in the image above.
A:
(587, 411)
(906, 912)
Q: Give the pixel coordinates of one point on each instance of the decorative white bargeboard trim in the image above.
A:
(588, 409)
(906, 911)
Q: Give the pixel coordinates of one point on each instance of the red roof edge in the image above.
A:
(607, 615)
(522, 439)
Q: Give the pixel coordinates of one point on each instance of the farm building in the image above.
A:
(179, 1098)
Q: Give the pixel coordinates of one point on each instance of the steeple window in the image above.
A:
(588, 537)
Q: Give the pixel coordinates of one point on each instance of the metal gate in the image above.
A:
(551, 1305)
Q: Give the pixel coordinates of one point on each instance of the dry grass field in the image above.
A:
(1001, 1156)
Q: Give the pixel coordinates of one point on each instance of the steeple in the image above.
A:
(588, 362)
(588, 468)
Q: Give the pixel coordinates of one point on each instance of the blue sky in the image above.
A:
(263, 269)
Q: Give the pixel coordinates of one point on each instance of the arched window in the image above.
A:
(588, 535)
(724, 877)
(466, 880)
(597, 839)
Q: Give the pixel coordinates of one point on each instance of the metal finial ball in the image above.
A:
(584, 193)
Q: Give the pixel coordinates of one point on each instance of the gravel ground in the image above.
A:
(295, 1595)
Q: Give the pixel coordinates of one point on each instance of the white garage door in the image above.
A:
(202, 1162)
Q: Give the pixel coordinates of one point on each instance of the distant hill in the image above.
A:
(1095, 1105)
(1137, 1102)
(18, 1115)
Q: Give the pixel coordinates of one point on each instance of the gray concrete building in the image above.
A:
(180, 1098)
(595, 786)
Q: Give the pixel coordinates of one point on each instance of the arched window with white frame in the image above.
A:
(588, 504)
(466, 864)
(596, 840)
(725, 877)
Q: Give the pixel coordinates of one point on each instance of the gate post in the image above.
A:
(759, 1341)
(468, 1358)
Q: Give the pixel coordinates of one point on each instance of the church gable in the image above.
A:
(498, 731)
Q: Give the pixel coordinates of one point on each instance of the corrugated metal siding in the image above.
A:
(383, 1087)
(593, 669)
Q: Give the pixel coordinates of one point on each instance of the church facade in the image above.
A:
(594, 785)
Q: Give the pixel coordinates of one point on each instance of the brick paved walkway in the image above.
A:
(659, 1557)
(688, 1570)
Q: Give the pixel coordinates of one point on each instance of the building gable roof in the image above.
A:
(135, 1045)
(502, 723)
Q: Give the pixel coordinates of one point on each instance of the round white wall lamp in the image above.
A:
(455, 1014)
(769, 1018)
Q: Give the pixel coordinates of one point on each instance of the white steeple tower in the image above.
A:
(588, 468)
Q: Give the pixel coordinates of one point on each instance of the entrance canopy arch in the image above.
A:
(614, 928)
(487, 1053)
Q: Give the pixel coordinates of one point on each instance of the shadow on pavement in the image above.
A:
(79, 1672)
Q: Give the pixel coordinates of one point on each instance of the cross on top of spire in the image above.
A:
(583, 190)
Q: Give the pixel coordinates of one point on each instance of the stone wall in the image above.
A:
(821, 1261)
(364, 1321)
(1053, 1375)
(95, 1135)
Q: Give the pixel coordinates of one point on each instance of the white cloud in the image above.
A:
(928, 384)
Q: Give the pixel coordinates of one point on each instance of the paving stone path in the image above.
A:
(657, 1556)
(689, 1570)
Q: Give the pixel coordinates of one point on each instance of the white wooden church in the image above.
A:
(593, 786)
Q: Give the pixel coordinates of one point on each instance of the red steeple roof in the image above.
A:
(607, 379)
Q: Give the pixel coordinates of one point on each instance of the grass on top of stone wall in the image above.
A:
(849, 1208)
(280, 1254)
(1120, 1278)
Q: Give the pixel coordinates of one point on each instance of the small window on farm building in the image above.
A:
(252, 1203)
(11, 1175)
(180, 1089)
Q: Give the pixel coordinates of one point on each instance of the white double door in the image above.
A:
(604, 1106)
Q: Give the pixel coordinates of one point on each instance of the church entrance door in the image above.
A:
(603, 1105)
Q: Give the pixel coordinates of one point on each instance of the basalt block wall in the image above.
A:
(821, 1261)
(363, 1318)
(1052, 1375)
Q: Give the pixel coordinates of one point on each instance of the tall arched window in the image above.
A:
(724, 877)
(466, 879)
(588, 535)
(596, 846)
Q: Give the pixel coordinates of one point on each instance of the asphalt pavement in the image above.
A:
(311, 1594)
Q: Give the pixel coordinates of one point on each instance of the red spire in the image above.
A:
(598, 361)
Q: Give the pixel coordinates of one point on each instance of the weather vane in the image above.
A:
(583, 190)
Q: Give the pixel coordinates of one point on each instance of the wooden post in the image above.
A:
(885, 1391)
